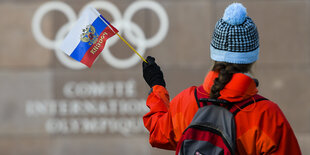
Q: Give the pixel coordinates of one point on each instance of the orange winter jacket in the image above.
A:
(261, 128)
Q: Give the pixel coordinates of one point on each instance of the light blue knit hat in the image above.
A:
(235, 38)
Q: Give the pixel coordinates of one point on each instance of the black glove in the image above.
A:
(152, 73)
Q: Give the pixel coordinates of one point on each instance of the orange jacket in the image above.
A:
(261, 128)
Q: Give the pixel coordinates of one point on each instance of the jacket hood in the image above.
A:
(240, 87)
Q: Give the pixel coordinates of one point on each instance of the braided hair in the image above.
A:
(226, 71)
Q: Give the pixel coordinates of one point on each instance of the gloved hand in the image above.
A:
(152, 73)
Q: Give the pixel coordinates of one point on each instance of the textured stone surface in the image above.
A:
(100, 145)
(187, 43)
(29, 71)
(17, 45)
(30, 145)
(304, 142)
(16, 88)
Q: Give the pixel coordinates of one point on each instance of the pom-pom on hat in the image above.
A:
(235, 37)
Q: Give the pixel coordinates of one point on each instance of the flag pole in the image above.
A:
(130, 47)
(122, 39)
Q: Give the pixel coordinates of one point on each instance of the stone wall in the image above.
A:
(48, 108)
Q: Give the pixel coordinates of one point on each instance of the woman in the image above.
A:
(261, 128)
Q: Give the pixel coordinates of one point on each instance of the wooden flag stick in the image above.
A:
(131, 47)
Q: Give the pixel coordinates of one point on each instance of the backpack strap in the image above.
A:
(200, 93)
(203, 99)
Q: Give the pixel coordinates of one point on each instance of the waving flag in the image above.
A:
(87, 38)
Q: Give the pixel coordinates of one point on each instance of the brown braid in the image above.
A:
(226, 71)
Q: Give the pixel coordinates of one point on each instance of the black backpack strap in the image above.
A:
(203, 99)
(200, 93)
(197, 101)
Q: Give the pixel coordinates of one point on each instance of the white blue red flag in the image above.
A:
(87, 38)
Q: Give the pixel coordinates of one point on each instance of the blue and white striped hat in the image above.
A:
(235, 37)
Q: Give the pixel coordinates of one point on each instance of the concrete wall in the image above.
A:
(48, 108)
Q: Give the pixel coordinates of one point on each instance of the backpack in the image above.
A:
(212, 130)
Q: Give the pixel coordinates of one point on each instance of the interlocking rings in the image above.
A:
(131, 30)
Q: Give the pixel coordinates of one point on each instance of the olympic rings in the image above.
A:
(158, 9)
(132, 31)
(37, 19)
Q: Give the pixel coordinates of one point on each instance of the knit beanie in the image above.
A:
(235, 37)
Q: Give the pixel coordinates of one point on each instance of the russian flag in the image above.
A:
(87, 38)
